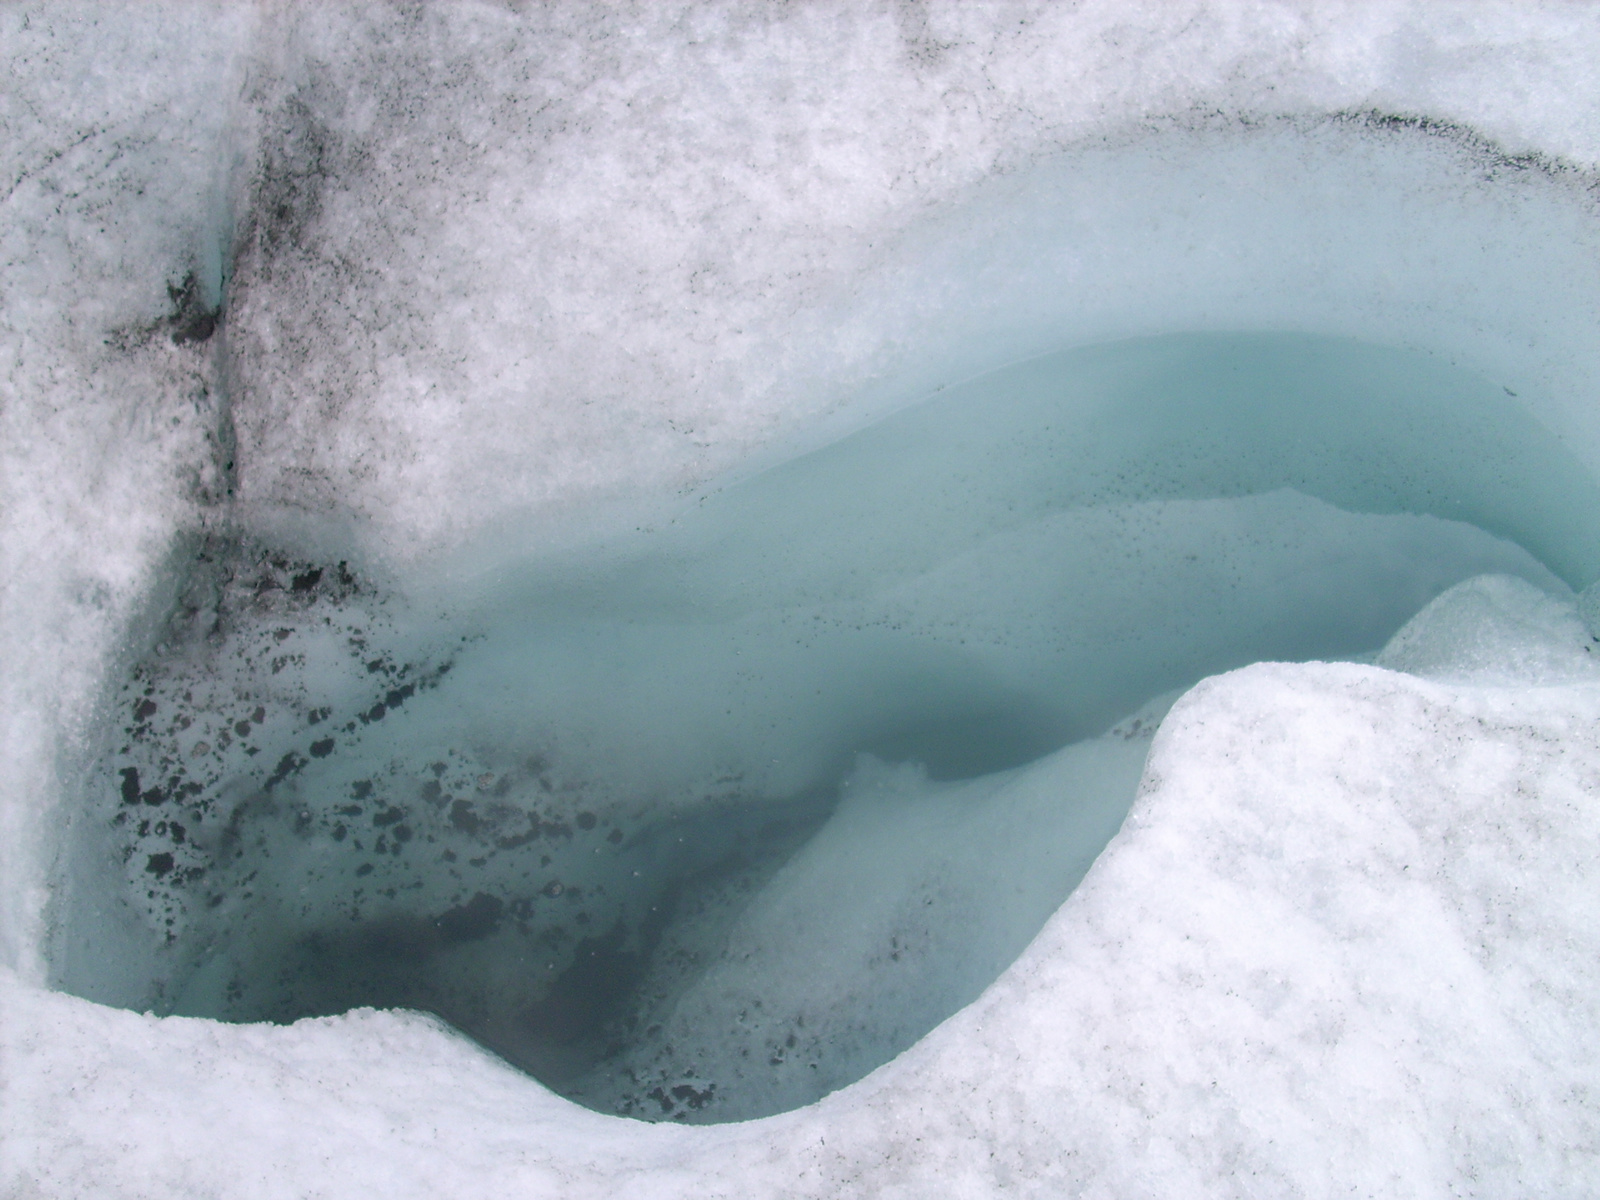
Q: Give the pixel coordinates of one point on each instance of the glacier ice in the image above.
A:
(605, 814)
(610, 284)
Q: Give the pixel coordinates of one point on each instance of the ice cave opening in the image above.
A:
(710, 819)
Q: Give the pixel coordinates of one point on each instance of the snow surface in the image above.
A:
(561, 266)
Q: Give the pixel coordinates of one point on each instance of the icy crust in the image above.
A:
(898, 911)
(1497, 629)
(112, 409)
(548, 260)
(1346, 939)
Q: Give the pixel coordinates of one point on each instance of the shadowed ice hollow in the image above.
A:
(708, 821)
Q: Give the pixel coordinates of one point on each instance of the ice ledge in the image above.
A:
(1346, 941)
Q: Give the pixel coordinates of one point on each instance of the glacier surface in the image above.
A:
(419, 320)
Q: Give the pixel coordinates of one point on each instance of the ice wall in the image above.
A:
(723, 231)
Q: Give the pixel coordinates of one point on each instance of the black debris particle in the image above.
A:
(520, 839)
(130, 785)
(144, 710)
(322, 748)
(463, 817)
(190, 319)
(307, 581)
(287, 766)
(587, 820)
(695, 1098)
(159, 864)
(364, 869)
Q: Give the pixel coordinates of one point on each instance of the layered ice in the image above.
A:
(492, 341)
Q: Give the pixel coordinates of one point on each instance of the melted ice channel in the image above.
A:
(709, 820)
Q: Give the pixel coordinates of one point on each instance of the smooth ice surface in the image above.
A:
(557, 266)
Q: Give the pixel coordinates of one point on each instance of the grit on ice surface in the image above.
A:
(562, 262)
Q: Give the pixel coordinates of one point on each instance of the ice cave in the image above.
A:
(833, 600)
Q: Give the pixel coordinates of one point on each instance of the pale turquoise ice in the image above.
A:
(946, 610)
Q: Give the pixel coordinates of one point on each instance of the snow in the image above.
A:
(1495, 630)
(507, 282)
